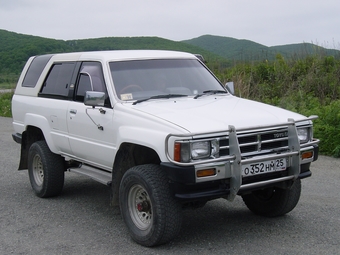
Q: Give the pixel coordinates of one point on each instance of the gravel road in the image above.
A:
(81, 221)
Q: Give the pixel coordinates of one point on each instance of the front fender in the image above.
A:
(150, 138)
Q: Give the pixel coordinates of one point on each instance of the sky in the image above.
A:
(268, 22)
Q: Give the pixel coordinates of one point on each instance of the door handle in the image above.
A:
(73, 111)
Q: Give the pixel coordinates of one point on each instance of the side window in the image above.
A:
(58, 80)
(34, 71)
(84, 85)
(91, 78)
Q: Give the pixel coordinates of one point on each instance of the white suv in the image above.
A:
(160, 130)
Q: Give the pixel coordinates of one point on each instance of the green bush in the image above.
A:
(327, 128)
(5, 104)
(310, 86)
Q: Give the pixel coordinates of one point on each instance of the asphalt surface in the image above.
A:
(81, 221)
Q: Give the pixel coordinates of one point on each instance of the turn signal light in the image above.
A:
(206, 172)
(177, 152)
(308, 154)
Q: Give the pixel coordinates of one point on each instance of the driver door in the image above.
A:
(89, 143)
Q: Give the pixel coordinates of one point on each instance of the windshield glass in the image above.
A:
(139, 79)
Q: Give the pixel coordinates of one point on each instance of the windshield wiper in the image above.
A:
(211, 92)
(159, 97)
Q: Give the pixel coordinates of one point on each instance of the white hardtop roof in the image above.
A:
(121, 55)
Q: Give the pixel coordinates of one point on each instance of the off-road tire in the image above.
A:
(45, 170)
(273, 202)
(151, 213)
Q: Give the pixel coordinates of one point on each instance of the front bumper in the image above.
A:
(184, 185)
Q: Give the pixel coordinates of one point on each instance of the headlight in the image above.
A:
(303, 134)
(200, 150)
(186, 151)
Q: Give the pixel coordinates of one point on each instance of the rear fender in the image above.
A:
(41, 123)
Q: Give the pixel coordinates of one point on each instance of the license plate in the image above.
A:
(264, 167)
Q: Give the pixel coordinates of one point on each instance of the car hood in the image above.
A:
(215, 113)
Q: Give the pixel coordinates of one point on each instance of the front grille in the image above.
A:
(258, 142)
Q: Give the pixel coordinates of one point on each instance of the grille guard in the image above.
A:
(235, 157)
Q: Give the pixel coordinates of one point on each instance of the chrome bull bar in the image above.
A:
(292, 154)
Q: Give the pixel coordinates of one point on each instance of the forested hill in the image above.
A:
(15, 48)
(245, 50)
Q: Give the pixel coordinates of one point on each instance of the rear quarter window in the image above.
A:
(34, 71)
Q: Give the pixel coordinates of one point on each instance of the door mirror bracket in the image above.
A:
(93, 99)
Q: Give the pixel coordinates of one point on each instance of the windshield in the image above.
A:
(140, 79)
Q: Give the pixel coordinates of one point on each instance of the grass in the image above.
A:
(8, 80)
(7, 85)
(5, 104)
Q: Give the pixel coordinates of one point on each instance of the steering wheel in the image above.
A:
(131, 87)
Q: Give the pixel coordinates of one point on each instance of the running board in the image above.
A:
(94, 173)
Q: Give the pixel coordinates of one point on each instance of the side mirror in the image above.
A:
(94, 98)
(230, 86)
